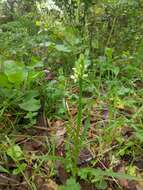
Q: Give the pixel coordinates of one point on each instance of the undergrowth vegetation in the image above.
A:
(71, 95)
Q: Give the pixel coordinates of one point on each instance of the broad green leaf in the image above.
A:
(31, 94)
(4, 80)
(15, 152)
(15, 73)
(71, 36)
(30, 105)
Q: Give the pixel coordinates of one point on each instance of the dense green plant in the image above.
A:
(80, 73)
(71, 184)
(18, 86)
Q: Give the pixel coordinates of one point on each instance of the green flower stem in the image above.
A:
(78, 127)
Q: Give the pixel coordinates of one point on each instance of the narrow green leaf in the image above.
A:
(101, 173)
(19, 169)
(3, 170)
